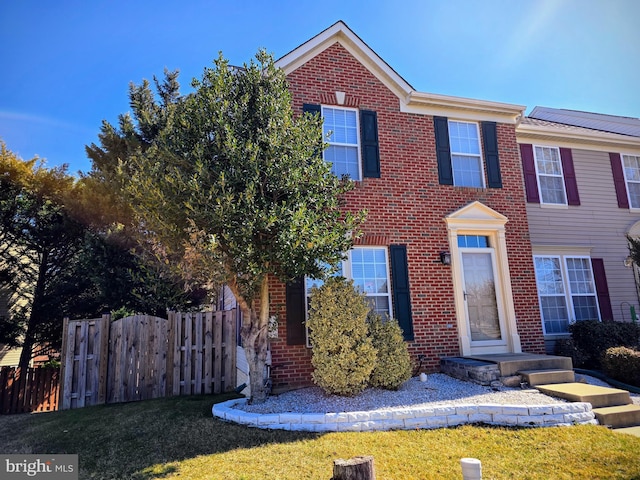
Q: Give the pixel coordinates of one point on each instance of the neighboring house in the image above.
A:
(9, 357)
(11, 299)
(582, 178)
(441, 179)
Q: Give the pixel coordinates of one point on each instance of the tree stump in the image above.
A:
(357, 468)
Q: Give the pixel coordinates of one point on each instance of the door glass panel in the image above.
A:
(480, 293)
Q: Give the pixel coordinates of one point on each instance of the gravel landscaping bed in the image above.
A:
(439, 389)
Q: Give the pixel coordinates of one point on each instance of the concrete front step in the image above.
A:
(583, 392)
(546, 377)
(618, 417)
(511, 363)
(629, 430)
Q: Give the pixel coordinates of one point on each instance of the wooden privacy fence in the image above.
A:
(36, 391)
(143, 357)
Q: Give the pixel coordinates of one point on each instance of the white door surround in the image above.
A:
(478, 219)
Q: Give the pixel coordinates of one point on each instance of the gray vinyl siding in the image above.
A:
(597, 223)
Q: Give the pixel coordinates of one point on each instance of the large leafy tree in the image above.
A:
(228, 184)
(61, 256)
(39, 240)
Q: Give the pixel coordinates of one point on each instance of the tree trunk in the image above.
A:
(357, 468)
(27, 349)
(255, 340)
(30, 334)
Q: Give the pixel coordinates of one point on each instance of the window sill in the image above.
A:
(555, 206)
(470, 189)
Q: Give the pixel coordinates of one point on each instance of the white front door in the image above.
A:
(482, 305)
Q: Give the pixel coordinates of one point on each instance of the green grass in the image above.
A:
(179, 438)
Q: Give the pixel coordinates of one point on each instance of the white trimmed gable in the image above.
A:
(476, 213)
(410, 100)
(340, 33)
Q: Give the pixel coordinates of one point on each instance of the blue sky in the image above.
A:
(66, 65)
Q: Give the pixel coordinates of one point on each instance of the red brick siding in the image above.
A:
(407, 206)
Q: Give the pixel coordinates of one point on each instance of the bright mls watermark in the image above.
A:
(45, 466)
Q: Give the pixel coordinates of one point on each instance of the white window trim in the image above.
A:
(566, 285)
(346, 272)
(627, 181)
(339, 144)
(460, 154)
(538, 174)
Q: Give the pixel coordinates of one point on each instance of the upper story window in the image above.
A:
(550, 177)
(461, 159)
(466, 156)
(631, 165)
(341, 129)
(353, 140)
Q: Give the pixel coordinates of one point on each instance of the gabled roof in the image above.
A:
(410, 100)
(595, 121)
(341, 33)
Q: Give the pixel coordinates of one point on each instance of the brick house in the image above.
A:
(446, 247)
(582, 183)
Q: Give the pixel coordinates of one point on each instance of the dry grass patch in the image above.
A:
(179, 438)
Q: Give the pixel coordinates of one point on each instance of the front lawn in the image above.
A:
(178, 438)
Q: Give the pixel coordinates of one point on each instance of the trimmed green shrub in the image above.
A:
(622, 363)
(592, 338)
(343, 356)
(565, 347)
(393, 363)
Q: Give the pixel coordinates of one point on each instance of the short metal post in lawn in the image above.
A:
(356, 468)
(471, 469)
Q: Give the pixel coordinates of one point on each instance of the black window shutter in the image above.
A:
(311, 108)
(370, 148)
(570, 182)
(602, 289)
(401, 297)
(443, 151)
(294, 297)
(490, 141)
(314, 109)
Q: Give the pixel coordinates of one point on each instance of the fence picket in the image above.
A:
(177, 352)
(197, 374)
(229, 351)
(104, 332)
(208, 353)
(217, 342)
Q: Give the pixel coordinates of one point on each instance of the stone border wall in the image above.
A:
(411, 418)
